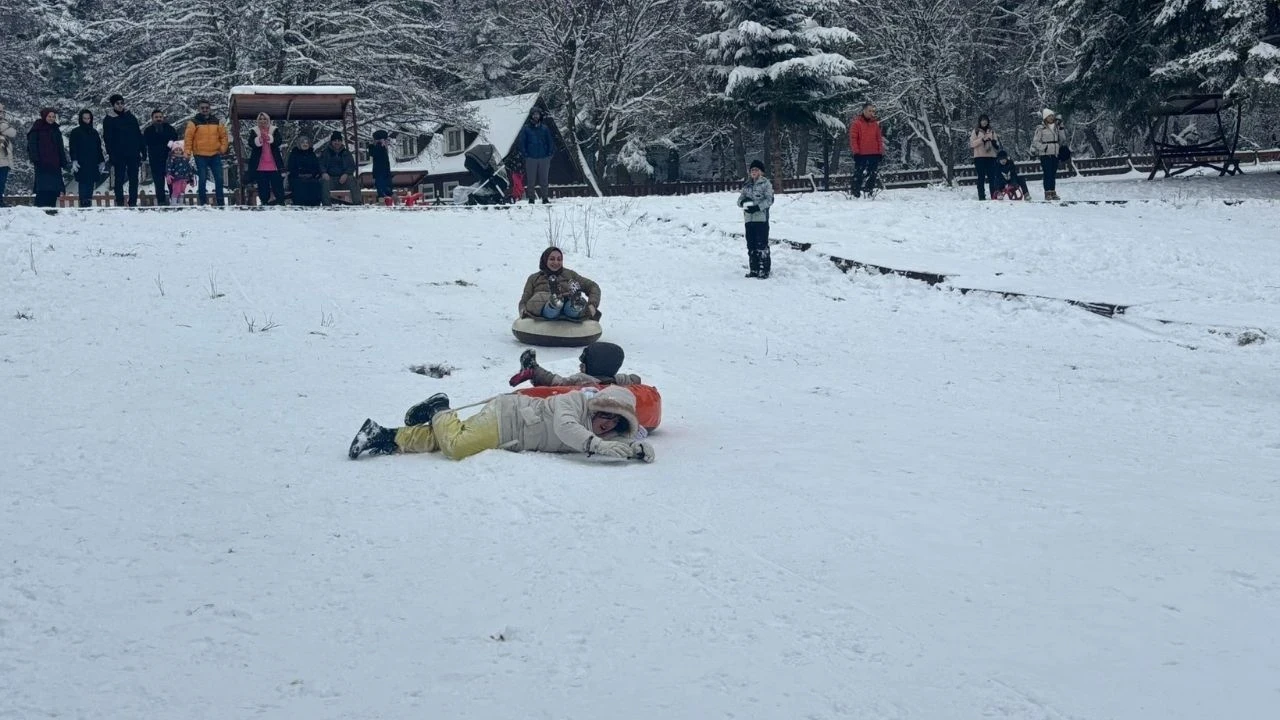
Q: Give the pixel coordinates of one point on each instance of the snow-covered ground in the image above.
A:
(873, 498)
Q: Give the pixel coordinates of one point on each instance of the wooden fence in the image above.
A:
(893, 179)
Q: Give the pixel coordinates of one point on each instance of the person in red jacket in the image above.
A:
(867, 143)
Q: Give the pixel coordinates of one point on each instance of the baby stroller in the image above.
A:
(491, 185)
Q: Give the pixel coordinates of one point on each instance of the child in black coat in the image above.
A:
(1007, 182)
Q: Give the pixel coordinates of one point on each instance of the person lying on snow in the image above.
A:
(1006, 176)
(557, 293)
(596, 423)
(597, 365)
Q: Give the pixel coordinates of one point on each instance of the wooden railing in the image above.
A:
(893, 179)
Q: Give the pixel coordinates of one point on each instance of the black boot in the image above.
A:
(766, 263)
(422, 413)
(753, 260)
(374, 438)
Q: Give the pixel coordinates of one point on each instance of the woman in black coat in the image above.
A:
(49, 156)
(304, 173)
(87, 157)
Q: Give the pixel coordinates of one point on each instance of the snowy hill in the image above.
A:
(873, 498)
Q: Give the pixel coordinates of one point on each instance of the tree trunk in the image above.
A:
(739, 152)
(802, 152)
(1095, 143)
(775, 150)
(826, 162)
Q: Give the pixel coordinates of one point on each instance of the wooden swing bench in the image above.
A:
(1218, 153)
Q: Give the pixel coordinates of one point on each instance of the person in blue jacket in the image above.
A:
(537, 145)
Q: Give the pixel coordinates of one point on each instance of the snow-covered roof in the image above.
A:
(502, 116)
(293, 90)
(292, 102)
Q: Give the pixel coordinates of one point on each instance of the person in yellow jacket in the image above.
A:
(206, 142)
(596, 423)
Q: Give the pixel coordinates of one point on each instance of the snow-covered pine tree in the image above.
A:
(1223, 43)
(484, 50)
(64, 49)
(21, 91)
(1115, 47)
(781, 64)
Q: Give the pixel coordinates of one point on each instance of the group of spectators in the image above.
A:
(995, 170)
(120, 144)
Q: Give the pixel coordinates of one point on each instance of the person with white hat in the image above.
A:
(1048, 143)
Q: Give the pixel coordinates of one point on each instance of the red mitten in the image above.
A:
(526, 374)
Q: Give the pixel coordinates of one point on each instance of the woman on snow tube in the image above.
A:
(557, 293)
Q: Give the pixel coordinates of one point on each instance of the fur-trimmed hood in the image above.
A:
(619, 401)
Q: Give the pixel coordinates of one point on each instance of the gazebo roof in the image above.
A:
(1194, 105)
(292, 102)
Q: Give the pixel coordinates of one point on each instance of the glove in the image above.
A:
(643, 451)
(75, 166)
(609, 448)
(526, 374)
(528, 359)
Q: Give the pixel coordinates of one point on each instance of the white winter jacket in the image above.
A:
(560, 423)
(1047, 140)
(7, 134)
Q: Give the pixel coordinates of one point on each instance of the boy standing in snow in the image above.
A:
(381, 158)
(755, 200)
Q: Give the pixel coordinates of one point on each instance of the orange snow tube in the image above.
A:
(648, 400)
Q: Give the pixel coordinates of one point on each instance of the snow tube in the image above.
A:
(648, 400)
(556, 333)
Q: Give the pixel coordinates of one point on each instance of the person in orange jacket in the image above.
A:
(205, 141)
(867, 143)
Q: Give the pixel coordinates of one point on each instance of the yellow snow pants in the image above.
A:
(453, 437)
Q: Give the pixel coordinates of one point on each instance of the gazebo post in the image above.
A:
(235, 130)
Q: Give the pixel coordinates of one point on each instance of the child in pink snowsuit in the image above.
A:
(178, 172)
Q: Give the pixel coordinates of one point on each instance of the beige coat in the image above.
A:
(566, 281)
(560, 423)
(982, 148)
(1047, 140)
(7, 134)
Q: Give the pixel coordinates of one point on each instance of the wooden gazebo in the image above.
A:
(1218, 152)
(286, 103)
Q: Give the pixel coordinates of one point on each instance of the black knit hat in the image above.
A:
(335, 135)
(380, 135)
(602, 359)
(757, 164)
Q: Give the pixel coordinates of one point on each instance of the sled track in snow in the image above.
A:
(1112, 311)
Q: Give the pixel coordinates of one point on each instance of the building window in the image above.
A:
(408, 146)
(428, 190)
(448, 188)
(452, 141)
